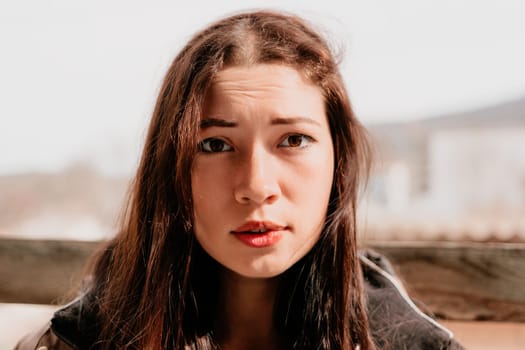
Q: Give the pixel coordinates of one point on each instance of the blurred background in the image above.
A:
(440, 86)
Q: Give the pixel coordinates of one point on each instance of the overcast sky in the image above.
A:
(78, 79)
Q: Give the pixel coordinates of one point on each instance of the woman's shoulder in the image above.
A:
(73, 326)
(42, 339)
(395, 321)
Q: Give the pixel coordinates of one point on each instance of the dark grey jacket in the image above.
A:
(396, 323)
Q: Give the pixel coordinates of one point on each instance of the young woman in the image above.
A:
(240, 231)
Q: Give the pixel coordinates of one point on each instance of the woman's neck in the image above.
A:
(246, 313)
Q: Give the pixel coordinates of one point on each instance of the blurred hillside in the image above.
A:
(452, 177)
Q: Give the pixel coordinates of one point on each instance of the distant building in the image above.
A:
(451, 175)
(477, 171)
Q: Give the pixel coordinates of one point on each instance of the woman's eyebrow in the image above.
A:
(216, 122)
(209, 122)
(294, 120)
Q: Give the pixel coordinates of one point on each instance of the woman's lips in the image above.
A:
(259, 234)
(259, 240)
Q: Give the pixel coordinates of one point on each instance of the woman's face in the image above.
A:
(262, 178)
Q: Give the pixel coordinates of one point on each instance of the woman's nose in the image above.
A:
(257, 180)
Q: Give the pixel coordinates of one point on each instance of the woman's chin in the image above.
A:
(262, 270)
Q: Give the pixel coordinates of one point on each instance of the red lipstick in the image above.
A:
(259, 234)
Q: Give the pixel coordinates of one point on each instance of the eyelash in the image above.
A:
(205, 145)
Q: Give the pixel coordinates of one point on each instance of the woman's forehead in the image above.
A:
(260, 79)
(278, 88)
(278, 70)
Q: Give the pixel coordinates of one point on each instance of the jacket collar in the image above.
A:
(395, 321)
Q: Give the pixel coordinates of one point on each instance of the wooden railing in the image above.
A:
(455, 281)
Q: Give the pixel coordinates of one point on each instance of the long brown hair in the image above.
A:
(154, 286)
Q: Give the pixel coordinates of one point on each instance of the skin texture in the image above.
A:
(261, 167)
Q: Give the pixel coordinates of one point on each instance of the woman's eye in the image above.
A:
(296, 141)
(214, 145)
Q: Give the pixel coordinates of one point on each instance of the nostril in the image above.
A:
(272, 198)
(256, 194)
